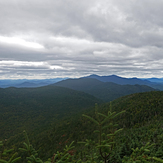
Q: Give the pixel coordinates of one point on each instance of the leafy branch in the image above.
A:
(5, 153)
(103, 123)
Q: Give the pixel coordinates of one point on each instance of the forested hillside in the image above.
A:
(34, 108)
(120, 80)
(141, 122)
(106, 91)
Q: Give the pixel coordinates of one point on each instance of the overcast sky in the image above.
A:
(74, 38)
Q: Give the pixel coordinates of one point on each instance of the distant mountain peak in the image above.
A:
(119, 80)
(115, 76)
(93, 75)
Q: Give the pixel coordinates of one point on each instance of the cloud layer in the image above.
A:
(69, 38)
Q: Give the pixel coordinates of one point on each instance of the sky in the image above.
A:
(72, 38)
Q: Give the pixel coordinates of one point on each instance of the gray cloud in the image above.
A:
(69, 38)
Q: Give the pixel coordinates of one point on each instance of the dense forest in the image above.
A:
(55, 124)
(106, 91)
(30, 108)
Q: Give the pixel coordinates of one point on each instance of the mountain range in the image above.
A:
(28, 83)
(106, 91)
(156, 83)
(52, 114)
(37, 114)
(21, 108)
(64, 97)
(120, 80)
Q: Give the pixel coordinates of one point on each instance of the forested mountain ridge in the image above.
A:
(156, 83)
(28, 83)
(81, 84)
(21, 108)
(140, 107)
(120, 80)
(106, 91)
(141, 123)
(52, 117)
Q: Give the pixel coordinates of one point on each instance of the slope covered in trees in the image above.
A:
(106, 91)
(120, 80)
(141, 123)
(156, 83)
(141, 108)
(35, 108)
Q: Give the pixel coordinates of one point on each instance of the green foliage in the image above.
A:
(35, 109)
(104, 123)
(7, 155)
(67, 156)
(142, 123)
(157, 159)
(139, 155)
(140, 108)
(104, 144)
(32, 153)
